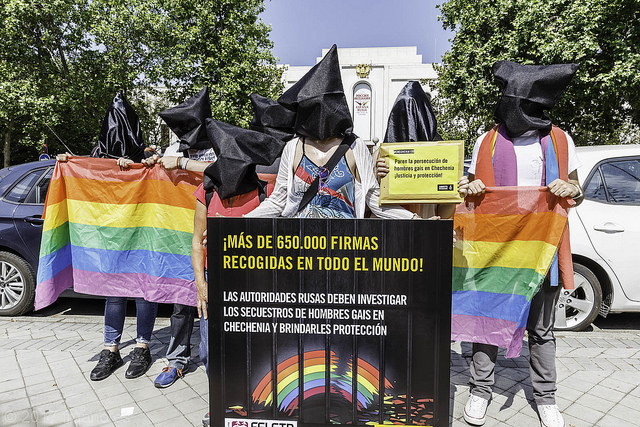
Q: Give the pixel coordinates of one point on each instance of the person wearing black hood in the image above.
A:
(525, 149)
(193, 152)
(412, 120)
(326, 171)
(121, 138)
(231, 188)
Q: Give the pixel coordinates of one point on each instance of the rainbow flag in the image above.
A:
(506, 242)
(115, 232)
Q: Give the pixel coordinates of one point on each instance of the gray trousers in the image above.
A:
(179, 349)
(542, 351)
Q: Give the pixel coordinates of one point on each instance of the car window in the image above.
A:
(21, 189)
(595, 189)
(620, 180)
(38, 194)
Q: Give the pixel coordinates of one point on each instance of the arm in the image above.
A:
(370, 188)
(569, 188)
(276, 202)
(173, 162)
(198, 255)
(470, 186)
(382, 169)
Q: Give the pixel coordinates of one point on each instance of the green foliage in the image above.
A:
(603, 36)
(62, 62)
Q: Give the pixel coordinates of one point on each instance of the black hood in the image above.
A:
(187, 121)
(239, 151)
(528, 92)
(412, 118)
(272, 118)
(120, 134)
(318, 100)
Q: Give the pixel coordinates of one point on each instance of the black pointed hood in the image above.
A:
(239, 151)
(412, 117)
(319, 101)
(529, 91)
(120, 134)
(272, 118)
(187, 121)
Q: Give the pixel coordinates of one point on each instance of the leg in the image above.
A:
(110, 360)
(483, 363)
(179, 350)
(204, 343)
(141, 356)
(114, 312)
(482, 367)
(542, 344)
(145, 319)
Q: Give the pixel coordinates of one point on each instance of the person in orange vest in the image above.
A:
(525, 149)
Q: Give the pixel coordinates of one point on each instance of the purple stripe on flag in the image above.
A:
(155, 289)
(50, 289)
(486, 330)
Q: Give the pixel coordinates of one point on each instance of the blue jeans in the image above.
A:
(115, 309)
(179, 350)
(204, 342)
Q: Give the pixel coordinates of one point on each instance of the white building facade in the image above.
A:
(372, 79)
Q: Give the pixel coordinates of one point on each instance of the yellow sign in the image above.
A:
(422, 172)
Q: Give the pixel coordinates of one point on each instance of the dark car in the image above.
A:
(23, 190)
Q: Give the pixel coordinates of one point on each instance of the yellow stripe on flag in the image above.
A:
(535, 255)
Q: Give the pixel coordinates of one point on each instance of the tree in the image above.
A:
(62, 62)
(603, 101)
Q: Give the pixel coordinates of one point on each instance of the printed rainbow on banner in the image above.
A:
(506, 242)
(368, 383)
(314, 381)
(117, 232)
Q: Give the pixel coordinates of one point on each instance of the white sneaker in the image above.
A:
(550, 416)
(475, 411)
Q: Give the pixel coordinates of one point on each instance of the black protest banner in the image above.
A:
(355, 313)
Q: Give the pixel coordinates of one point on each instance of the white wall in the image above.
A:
(390, 69)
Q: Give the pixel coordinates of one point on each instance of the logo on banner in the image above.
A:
(231, 422)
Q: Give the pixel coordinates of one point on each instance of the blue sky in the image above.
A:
(300, 29)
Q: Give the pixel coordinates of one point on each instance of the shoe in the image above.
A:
(550, 416)
(168, 376)
(140, 362)
(109, 362)
(475, 411)
(205, 420)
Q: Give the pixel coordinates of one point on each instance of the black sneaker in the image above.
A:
(140, 362)
(109, 362)
(205, 420)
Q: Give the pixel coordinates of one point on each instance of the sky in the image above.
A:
(300, 29)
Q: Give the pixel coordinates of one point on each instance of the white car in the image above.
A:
(605, 237)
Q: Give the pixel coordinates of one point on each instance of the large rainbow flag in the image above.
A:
(506, 242)
(115, 232)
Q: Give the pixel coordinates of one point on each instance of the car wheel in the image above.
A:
(576, 309)
(17, 285)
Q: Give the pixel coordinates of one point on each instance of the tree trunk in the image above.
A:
(7, 145)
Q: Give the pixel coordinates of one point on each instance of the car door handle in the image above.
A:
(609, 227)
(36, 219)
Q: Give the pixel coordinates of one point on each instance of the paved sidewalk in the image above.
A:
(45, 380)
(46, 362)
(598, 382)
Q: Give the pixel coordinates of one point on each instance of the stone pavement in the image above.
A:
(46, 362)
(45, 377)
